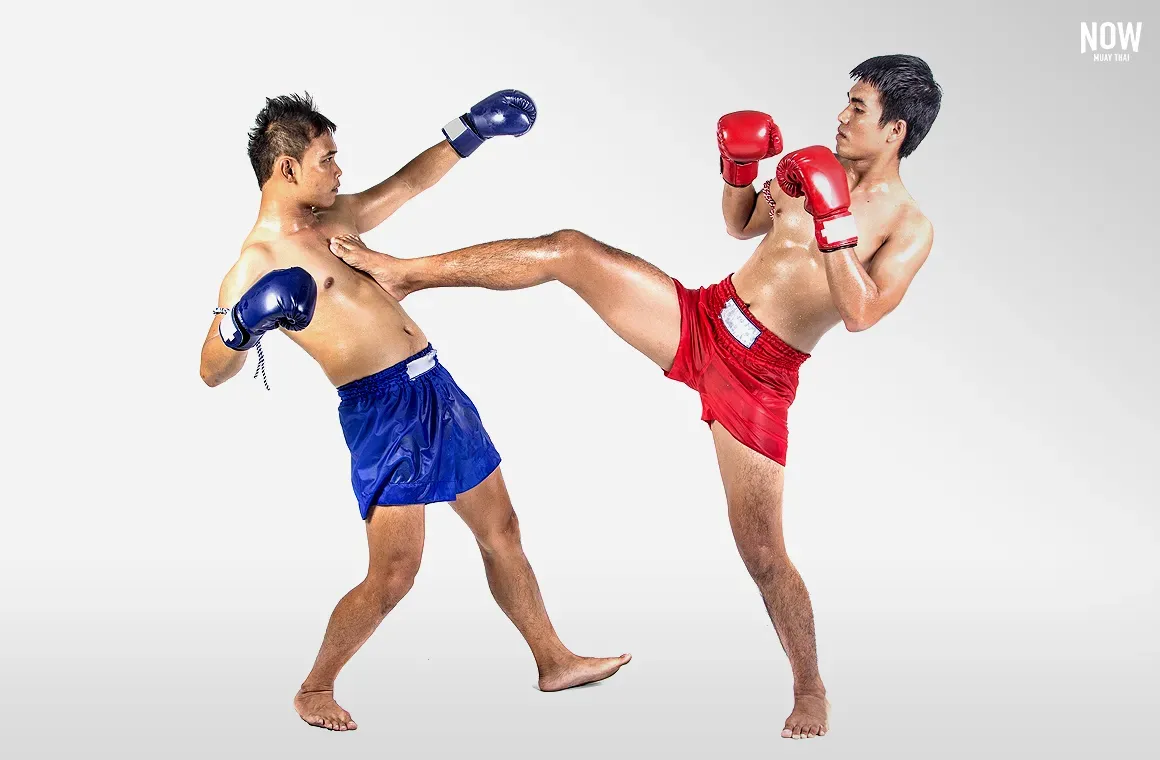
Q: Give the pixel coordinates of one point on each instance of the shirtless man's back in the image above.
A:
(415, 437)
(843, 241)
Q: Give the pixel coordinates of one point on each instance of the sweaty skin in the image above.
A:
(793, 289)
(357, 330)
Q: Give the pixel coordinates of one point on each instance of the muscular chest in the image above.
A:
(337, 282)
(794, 241)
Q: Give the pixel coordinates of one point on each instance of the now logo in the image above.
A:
(1109, 41)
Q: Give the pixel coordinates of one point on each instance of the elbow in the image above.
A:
(210, 378)
(737, 233)
(859, 322)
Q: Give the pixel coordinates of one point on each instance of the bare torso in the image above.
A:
(358, 328)
(784, 282)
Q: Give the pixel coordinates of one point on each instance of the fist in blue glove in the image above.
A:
(507, 112)
(282, 298)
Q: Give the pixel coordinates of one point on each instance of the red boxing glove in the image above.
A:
(744, 138)
(818, 175)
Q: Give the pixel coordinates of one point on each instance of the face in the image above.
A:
(859, 134)
(317, 174)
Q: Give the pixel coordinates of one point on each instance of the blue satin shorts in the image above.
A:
(414, 436)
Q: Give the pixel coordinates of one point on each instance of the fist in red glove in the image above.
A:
(818, 175)
(744, 138)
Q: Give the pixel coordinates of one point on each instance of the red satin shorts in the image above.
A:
(746, 375)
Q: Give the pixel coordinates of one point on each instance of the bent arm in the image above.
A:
(373, 206)
(746, 212)
(864, 297)
(218, 362)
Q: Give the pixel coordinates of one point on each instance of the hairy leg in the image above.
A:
(633, 297)
(753, 489)
(487, 510)
(395, 539)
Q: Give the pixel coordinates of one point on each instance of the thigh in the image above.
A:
(753, 488)
(395, 537)
(633, 297)
(487, 508)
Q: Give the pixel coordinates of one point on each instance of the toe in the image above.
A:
(786, 733)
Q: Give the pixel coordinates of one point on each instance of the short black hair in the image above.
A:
(908, 91)
(284, 127)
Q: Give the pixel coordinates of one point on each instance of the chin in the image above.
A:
(326, 201)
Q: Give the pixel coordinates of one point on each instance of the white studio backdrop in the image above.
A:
(970, 493)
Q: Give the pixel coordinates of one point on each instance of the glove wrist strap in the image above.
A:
(738, 175)
(462, 137)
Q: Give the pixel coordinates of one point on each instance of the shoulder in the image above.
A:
(256, 251)
(255, 256)
(911, 225)
(254, 260)
(344, 209)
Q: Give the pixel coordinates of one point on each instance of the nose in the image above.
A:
(844, 116)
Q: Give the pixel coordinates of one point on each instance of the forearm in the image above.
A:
(430, 166)
(746, 212)
(854, 293)
(737, 205)
(218, 362)
(374, 205)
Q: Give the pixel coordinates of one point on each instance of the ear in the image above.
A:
(897, 131)
(288, 169)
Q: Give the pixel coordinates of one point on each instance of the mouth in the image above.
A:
(841, 136)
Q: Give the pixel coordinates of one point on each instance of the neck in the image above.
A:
(873, 170)
(284, 215)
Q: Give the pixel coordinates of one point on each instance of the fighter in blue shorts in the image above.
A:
(415, 438)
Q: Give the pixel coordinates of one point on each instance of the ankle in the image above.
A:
(314, 687)
(547, 661)
(810, 689)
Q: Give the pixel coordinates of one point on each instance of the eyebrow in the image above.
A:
(859, 101)
(330, 153)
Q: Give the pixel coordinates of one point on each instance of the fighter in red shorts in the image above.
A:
(739, 343)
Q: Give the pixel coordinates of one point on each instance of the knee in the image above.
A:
(570, 248)
(390, 583)
(501, 536)
(766, 563)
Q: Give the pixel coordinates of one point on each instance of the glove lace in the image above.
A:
(258, 345)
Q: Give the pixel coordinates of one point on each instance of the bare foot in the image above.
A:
(318, 708)
(581, 670)
(386, 270)
(810, 717)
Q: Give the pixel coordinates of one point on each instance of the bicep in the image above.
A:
(373, 206)
(898, 261)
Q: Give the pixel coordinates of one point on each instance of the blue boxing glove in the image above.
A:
(507, 112)
(282, 298)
